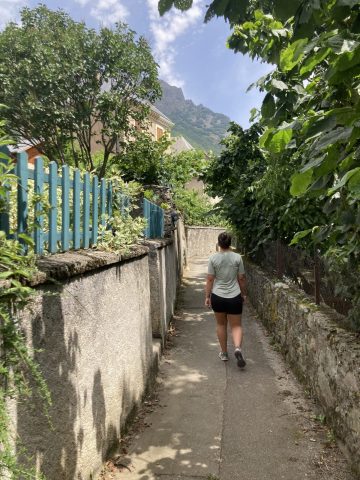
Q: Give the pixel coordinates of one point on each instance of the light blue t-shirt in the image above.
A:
(226, 266)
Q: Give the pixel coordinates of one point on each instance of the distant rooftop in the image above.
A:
(181, 145)
(162, 115)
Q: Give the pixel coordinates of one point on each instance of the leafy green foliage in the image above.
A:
(142, 159)
(232, 177)
(237, 11)
(150, 162)
(65, 84)
(196, 209)
(246, 37)
(310, 117)
(182, 167)
(123, 231)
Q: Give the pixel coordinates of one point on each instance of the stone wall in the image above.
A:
(323, 355)
(164, 279)
(201, 241)
(92, 325)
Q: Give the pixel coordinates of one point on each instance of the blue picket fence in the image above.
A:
(155, 219)
(77, 205)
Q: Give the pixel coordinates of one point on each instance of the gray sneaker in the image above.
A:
(239, 357)
(224, 356)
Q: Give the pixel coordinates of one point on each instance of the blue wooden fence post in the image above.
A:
(109, 199)
(76, 209)
(151, 220)
(161, 223)
(53, 235)
(95, 210)
(4, 216)
(65, 208)
(22, 193)
(39, 218)
(154, 216)
(146, 213)
(86, 218)
(102, 201)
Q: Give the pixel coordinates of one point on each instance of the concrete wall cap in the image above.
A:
(205, 228)
(157, 243)
(62, 266)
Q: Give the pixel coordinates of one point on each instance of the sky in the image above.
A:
(191, 55)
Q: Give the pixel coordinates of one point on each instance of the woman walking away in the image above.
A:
(225, 293)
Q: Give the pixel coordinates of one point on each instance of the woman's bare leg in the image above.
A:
(221, 330)
(236, 329)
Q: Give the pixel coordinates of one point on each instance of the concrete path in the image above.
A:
(215, 421)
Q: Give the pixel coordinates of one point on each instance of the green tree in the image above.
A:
(232, 177)
(183, 167)
(66, 84)
(151, 162)
(310, 112)
(196, 209)
(142, 159)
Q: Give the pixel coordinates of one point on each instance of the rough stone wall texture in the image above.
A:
(93, 338)
(164, 280)
(201, 241)
(324, 356)
(180, 245)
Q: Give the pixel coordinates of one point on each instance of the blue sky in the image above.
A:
(191, 55)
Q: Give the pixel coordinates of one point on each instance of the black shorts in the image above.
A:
(232, 306)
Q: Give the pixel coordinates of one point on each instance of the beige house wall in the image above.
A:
(157, 125)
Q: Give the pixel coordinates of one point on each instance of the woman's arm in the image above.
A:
(208, 288)
(242, 284)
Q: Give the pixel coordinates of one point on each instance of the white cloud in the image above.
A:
(166, 31)
(107, 12)
(9, 11)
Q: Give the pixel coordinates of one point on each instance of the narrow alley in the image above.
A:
(216, 422)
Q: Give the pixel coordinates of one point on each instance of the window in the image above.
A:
(159, 133)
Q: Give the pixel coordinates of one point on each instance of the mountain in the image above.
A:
(202, 127)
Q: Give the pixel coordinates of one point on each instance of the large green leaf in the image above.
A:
(278, 142)
(279, 85)
(341, 45)
(345, 115)
(264, 137)
(346, 62)
(299, 235)
(268, 106)
(232, 10)
(347, 3)
(354, 182)
(341, 183)
(292, 55)
(300, 182)
(285, 9)
(183, 4)
(315, 162)
(314, 59)
(164, 6)
(318, 125)
(340, 134)
(220, 6)
(329, 164)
